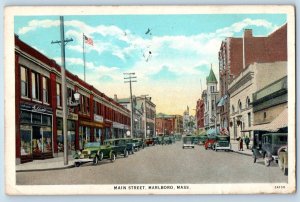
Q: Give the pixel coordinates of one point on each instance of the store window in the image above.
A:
(24, 82)
(58, 94)
(70, 136)
(35, 85)
(45, 90)
(25, 140)
(84, 136)
(97, 135)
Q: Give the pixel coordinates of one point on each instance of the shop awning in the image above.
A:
(222, 101)
(281, 121)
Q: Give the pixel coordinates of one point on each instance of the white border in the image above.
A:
(9, 84)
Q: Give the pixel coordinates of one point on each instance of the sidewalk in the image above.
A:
(235, 148)
(46, 164)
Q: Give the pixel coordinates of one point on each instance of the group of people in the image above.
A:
(241, 144)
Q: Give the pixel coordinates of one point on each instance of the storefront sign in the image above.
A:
(98, 118)
(118, 125)
(71, 116)
(93, 124)
(36, 108)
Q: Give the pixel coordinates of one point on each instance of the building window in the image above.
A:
(233, 109)
(249, 119)
(82, 103)
(24, 81)
(95, 107)
(248, 102)
(212, 105)
(45, 90)
(240, 106)
(58, 94)
(35, 86)
(87, 105)
(265, 115)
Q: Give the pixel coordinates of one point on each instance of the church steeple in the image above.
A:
(211, 77)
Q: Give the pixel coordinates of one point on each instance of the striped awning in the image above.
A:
(281, 121)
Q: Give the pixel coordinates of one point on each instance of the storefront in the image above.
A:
(98, 128)
(35, 132)
(72, 118)
(87, 133)
(119, 130)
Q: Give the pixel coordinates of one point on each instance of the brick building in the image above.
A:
(200, 113)
(39, 108)
(168, 124)
(237, 53)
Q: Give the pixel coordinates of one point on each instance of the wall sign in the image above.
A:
(36, 108)
(71, 116)
(98, 118)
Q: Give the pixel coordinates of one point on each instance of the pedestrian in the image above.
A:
(247, 141)
(241, 144)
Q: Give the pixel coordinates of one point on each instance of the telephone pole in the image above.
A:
(62, 42)
(129, 78)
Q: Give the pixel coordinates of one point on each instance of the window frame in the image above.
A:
(26, 82)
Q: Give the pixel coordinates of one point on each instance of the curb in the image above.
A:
(46, 169)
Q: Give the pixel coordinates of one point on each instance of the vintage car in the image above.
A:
(138, 143)
(210, 142)
(172, 138)
(119, 146)
(222, 143)
(270, 144)
(149, 141)
(94, 152)
(156, 140)
(188, 142)
(178, 136)
(202, 139)
(166, 140)
(129, 145)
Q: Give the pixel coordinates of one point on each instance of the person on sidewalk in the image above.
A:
(247, 141)
(241, 144)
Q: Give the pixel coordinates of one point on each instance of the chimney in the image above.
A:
(248, 33)
(116, 97)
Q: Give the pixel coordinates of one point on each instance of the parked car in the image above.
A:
(172, 138)
(188, 142)
(94, 152)
(166, 140)
(178, 136)
(156, 140)
(202, 139)
(149, 141)
(222, 143)
(118, 145)
(138, 143)
(210, 142)
(129, 145)
(270, 144)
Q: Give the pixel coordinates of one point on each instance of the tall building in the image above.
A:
(200, 113)
(237, 53)
(211, 97)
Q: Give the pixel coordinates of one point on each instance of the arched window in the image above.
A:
(232, 108)
(240, 106)
(247, 102)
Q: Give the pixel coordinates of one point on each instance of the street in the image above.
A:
(163, 164)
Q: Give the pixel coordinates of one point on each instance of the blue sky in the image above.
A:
(170, 61)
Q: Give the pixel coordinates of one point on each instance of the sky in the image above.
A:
(171, 55)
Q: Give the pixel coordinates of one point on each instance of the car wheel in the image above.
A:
(101, 156)
(125, 153)
(267, 162)
(77, 164)
(95, 160)
(182, 147)
(254, 160)
(132, 150)
(113, 157)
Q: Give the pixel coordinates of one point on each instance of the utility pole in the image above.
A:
(129, 79)
(63, 85)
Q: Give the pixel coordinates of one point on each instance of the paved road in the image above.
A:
(163, 164)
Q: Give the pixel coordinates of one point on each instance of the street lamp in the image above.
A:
(75, 103)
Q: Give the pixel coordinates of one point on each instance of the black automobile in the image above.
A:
(270, 144)
(119, 146)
